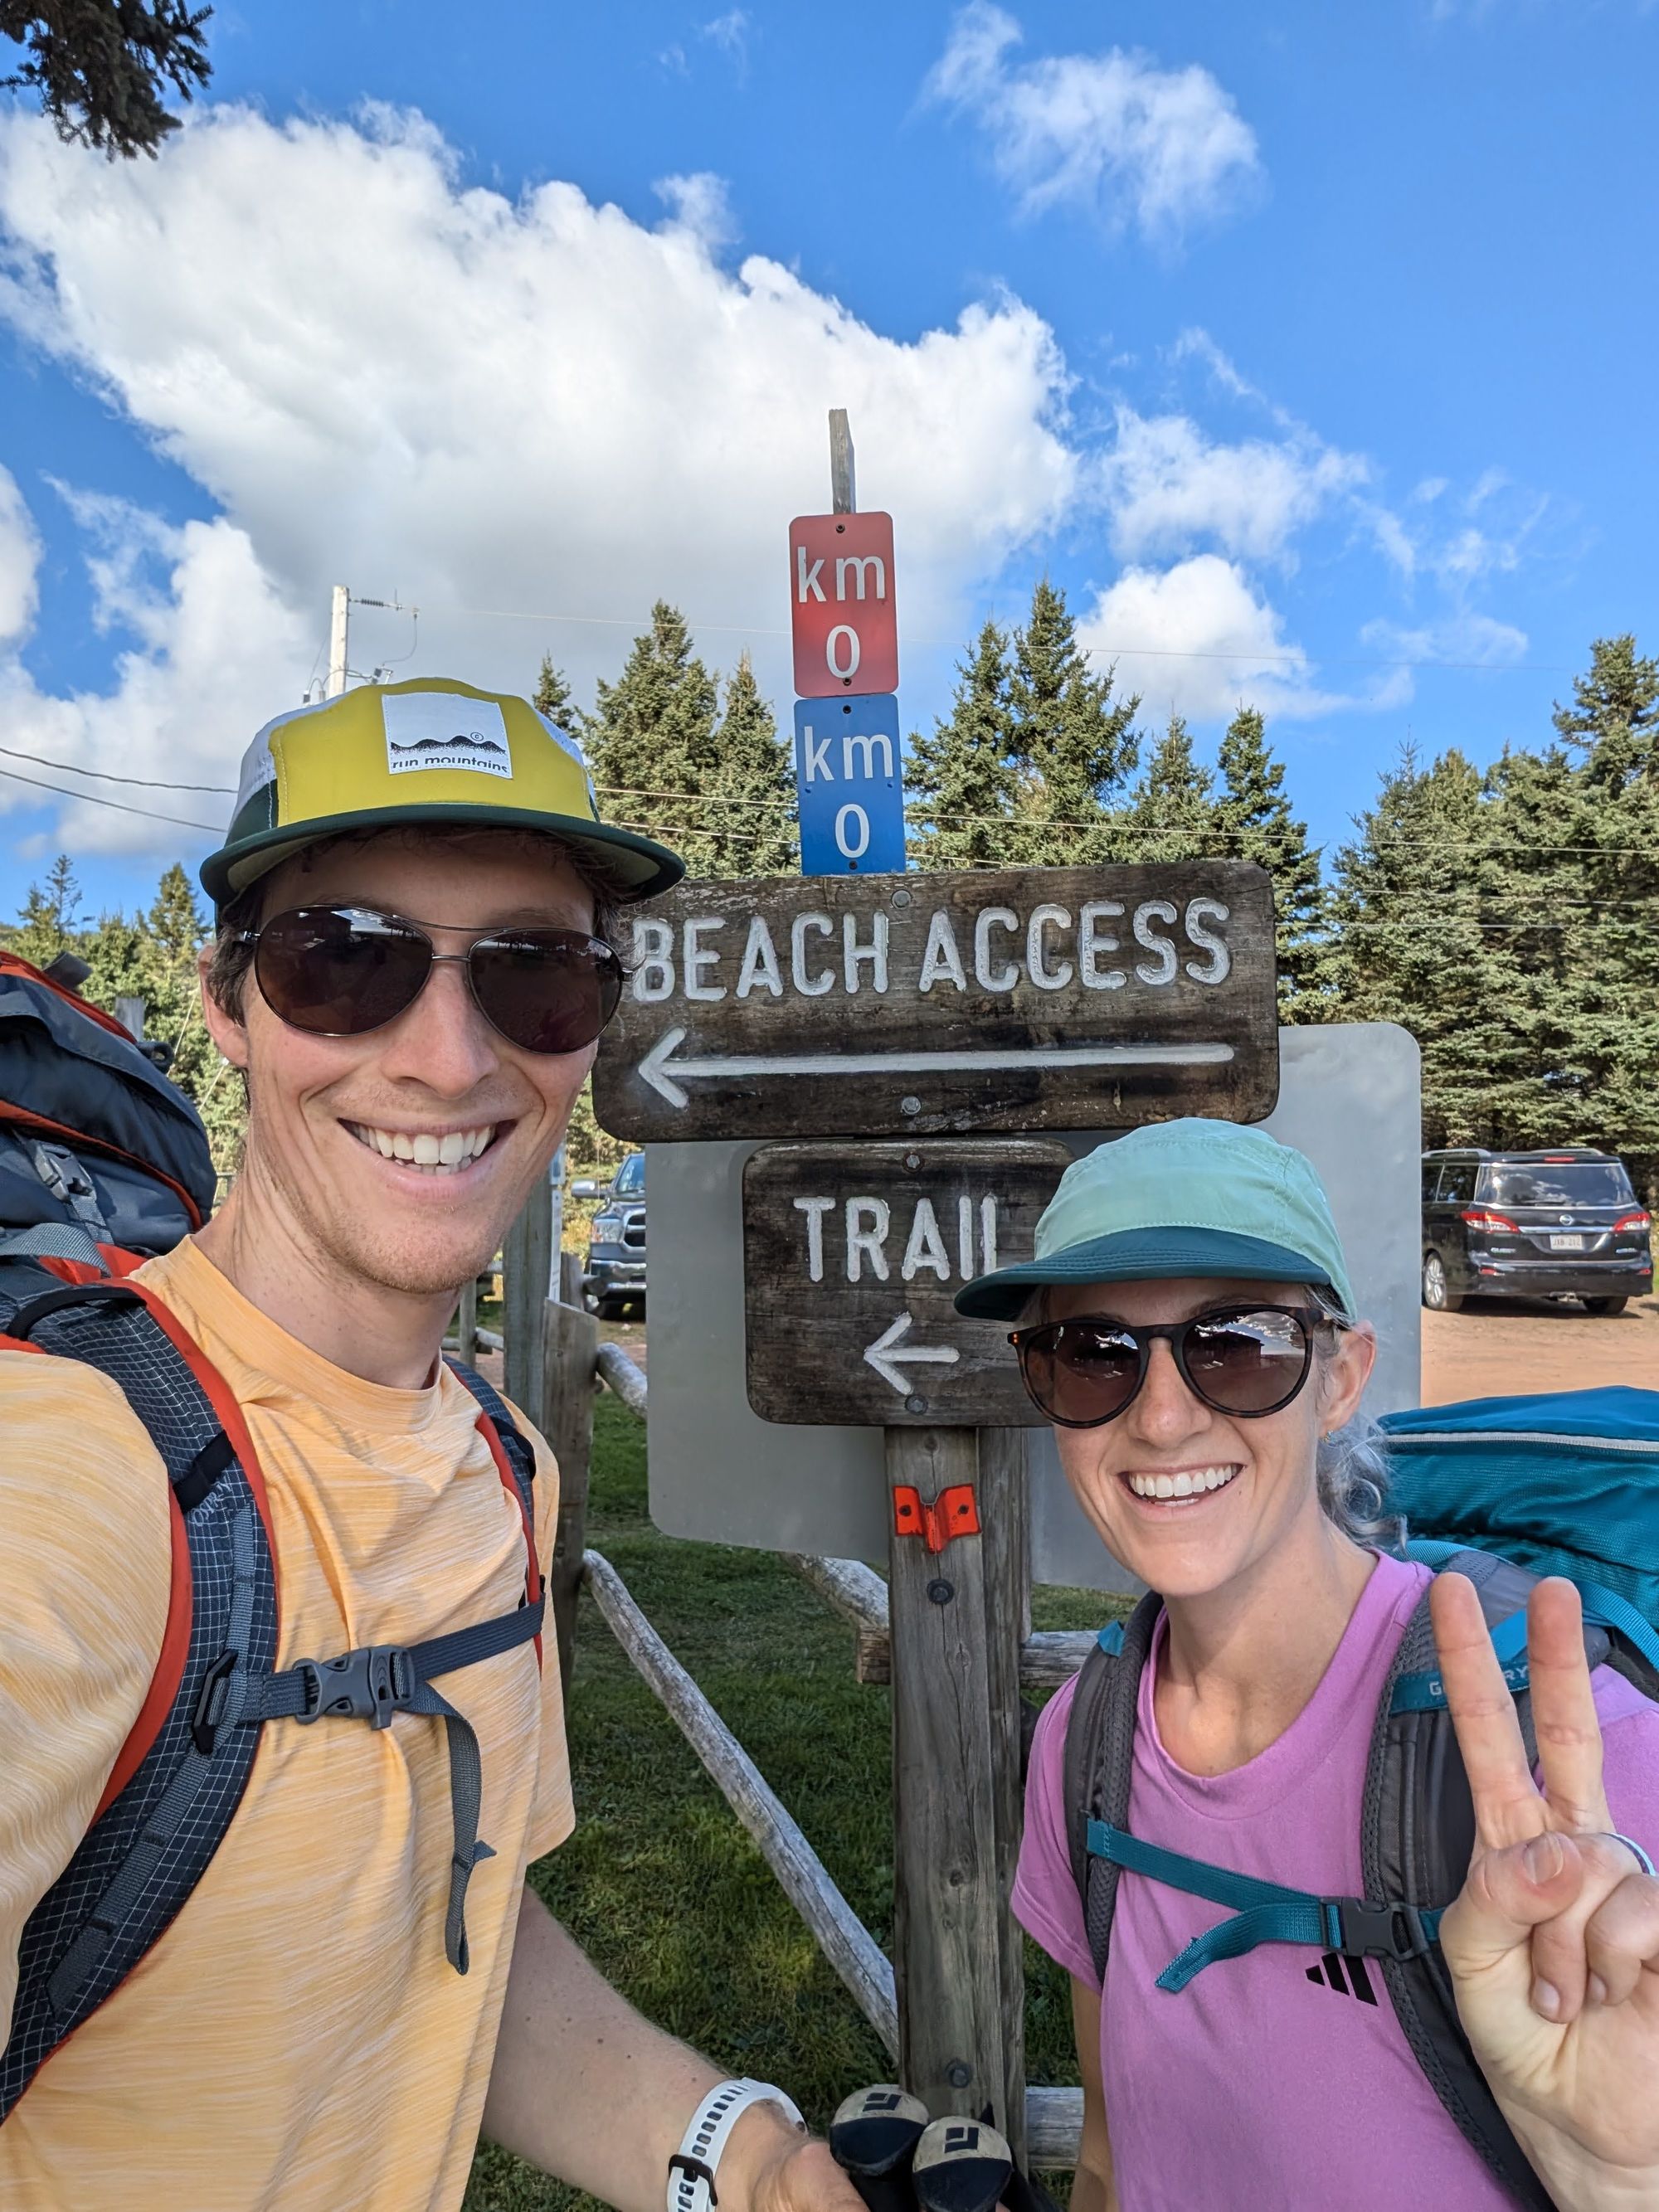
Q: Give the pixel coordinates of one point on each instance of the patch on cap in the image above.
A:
(428, 730)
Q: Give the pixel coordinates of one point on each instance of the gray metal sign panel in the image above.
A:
(1350, 1098)
(852, 1255)
(984, 1001)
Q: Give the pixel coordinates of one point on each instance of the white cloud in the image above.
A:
(1170, 487)
(1113, 132)
(216, 651)
(386, 377)
(19, 557)
(1469, 639)
(1197, 639)
(700, 204)
(730, 32)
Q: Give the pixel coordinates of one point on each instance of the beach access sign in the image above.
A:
(985, 1001)
(852, 1255)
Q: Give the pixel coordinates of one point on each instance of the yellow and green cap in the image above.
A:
(428, 750)
(1177, 1200)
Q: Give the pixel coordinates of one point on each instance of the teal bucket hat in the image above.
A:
(1177, 1199)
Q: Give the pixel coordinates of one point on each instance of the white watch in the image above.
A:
(691, 2169)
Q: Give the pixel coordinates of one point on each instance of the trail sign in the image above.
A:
(851, 786)
(852, 1255)
(1013, 1001)
(842, 615)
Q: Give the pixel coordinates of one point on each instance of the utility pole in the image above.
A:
(339, 620)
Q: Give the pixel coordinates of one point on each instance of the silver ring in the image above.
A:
(1630, 1844)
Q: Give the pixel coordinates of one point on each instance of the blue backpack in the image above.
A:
(1504, 1489)
(179, 1777)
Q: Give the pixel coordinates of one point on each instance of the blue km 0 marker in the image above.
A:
(852, 790)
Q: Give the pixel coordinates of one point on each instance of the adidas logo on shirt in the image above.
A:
(1348, 1977)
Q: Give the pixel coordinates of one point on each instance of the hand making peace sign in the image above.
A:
(1553, 1944)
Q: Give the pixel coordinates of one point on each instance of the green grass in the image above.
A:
(661, 1886)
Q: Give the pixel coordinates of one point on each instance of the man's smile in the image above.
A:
(442, 1152)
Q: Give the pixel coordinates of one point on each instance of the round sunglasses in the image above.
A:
(1244, 1360)
(347, 970)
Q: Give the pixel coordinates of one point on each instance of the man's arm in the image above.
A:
(585, 2088)
(85, 1538)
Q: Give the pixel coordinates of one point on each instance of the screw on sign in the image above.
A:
(842, 615)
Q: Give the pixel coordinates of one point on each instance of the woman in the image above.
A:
(1181, 1270)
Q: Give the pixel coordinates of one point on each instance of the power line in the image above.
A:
(149, 782)
(91, 799)
(1253, 657)
(924, 818)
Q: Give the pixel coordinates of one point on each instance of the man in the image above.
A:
(408, 974)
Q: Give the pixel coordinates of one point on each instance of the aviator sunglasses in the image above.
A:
(346, 971)
(1244, 1360)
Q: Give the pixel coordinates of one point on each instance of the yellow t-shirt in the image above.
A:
(297, 2039)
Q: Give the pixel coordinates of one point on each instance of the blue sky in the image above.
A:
(1310, 349)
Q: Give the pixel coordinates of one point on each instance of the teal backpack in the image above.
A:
(1505, 1491)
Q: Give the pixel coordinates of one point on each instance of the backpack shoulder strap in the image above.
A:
(1417, 1836)
(515, 1462)
(1099, 1761)
(178, 1778)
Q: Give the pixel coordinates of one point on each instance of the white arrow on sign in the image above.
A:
(884, 1356)
(654, 1067)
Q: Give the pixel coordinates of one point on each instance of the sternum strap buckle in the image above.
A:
(369, 1684)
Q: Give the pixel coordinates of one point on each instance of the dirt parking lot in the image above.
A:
(1503, 1347)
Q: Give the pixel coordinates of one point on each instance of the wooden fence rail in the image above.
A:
(845, 1943)
(1046, 1659)
(627, 1380)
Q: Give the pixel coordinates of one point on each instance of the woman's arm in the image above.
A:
(1094, 2189)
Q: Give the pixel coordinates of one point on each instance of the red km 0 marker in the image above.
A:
(843, 619)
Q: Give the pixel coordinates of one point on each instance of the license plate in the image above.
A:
(1566, 1243)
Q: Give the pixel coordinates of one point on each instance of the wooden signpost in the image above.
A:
(1017, 1001)
(852, 1255)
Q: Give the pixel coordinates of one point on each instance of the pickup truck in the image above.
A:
(614, 1276)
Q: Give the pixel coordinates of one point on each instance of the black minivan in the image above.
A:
(1560, 1223)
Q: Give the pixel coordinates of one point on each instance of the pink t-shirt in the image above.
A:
(1256, 2088)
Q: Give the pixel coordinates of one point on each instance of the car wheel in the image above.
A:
(610, 1309)
(1599, 1306)
(1437, 1294)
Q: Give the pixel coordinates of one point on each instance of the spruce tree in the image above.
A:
(1074, 744)
(551, 697)
(1613, 719)
(103, 68)
(1171, 813)
(46, 919)
(964, 788)
(651, 739)
(1253, 821)
(748, 813)
(1612, 904)
(1411, 948)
